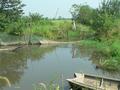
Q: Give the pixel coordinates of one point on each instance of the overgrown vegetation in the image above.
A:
(12, 21)
(104, 22)
(10, 11)
(43, 86)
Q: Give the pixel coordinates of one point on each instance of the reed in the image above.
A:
(6, 79)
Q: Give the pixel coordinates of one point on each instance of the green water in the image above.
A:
(42, 64)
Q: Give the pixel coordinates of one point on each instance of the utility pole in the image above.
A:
(56, 13)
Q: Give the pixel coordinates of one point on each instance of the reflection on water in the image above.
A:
(36, 64)
(13, 64)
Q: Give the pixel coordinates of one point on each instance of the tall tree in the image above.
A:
(11, 8)
(82, 13)
(10, 11)
(105, 17)
(111, 7)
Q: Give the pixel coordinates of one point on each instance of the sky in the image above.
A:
(48, 8)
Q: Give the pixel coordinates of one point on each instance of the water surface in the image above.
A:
(42, 64)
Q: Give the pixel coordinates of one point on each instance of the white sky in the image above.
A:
(49, 7)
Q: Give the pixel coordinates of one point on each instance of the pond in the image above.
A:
(31, 65)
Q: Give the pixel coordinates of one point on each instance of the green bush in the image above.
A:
(16, 28)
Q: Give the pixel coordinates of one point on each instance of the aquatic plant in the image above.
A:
(43, 86)
(6, 79)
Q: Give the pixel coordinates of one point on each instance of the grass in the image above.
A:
(42, 86)
(56, 84)
(49, 29)
(110, 53)
(52, 30)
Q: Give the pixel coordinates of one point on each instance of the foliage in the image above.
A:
(102, 19)
(85, 15)
(36, 17)
(3, 22)
(54, 29)
(12, 9)
(110, 53)
(75, 11)
(10, 12)
(111, 7)
(105, 22)
(82, 14)
(102, 24)
(43, 86)
(111, 64)
(105, 16)
(16, 28)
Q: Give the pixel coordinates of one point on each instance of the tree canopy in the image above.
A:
(101, 19)
(10, 11)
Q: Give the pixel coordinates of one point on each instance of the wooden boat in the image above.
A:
(92, 82)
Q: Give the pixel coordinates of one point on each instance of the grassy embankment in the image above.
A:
(109, 48)
(110, 53)
(59, 30)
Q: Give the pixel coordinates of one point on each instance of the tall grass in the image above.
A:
(6, 80)
(110, 52)
(53, 29)
(56, 84)
(42, 86)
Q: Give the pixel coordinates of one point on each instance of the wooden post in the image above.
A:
(30, 35)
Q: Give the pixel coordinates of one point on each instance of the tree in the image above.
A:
(105, 16)
(111, 7)
(35, 17)
(10, 11)
(75, 11)
(82, 13)
(85, 15)
(3, 22)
